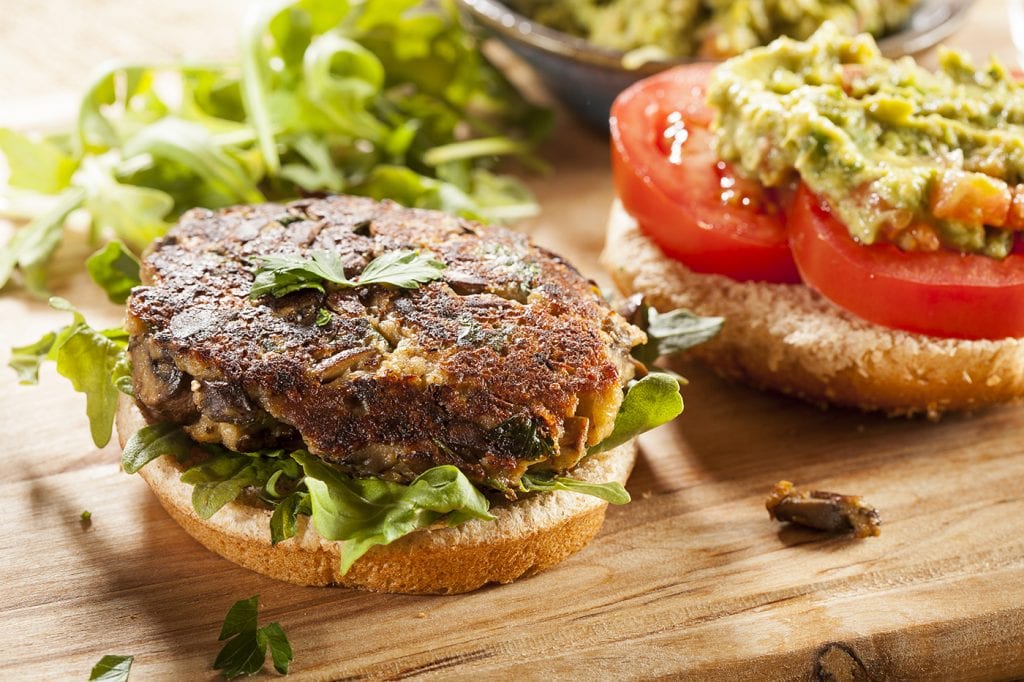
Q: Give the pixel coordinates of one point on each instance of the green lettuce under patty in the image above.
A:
(360, 512)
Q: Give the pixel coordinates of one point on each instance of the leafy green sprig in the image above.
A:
(282, 275)
(245, 652)
(112, 668)
(94, 361)
(671, 332)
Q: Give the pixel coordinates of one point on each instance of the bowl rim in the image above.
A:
(503, 20)
(500, 18)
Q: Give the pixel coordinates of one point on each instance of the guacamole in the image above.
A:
(709, 29)
(920, 159)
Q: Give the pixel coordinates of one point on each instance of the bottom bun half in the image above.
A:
(528, 535)
(789, 338)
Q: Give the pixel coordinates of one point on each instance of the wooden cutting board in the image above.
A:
(691, 579)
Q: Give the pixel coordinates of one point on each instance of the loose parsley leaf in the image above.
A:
(115, 269)
(242, 656)
(402, 269)
(672, 332)
(112, 669)
(649, 402)
(246, 652)
(368, 512)
(280, 648)
(612, 492)
(242, 617)
(152, 441)
(282, 275)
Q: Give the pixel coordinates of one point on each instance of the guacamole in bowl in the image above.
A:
(710, 29)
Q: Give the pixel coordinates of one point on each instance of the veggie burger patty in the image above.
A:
(510, 359)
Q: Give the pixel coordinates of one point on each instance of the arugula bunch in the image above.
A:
(385, 98)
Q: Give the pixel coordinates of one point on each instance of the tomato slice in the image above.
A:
(690, 203)
(942, 293)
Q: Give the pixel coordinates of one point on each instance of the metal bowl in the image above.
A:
(587, 78)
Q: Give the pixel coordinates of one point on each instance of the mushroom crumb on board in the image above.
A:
(825, 511)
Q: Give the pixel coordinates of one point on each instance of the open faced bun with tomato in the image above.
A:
(856, 220)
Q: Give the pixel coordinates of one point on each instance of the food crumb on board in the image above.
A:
(821, 510)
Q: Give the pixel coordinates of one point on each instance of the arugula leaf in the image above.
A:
(112, 668)
(282, 275)
(612, 492)
(26, 360)
(368, 512)
(152, 441)
(283, 522)
(246, 652)
(32, 246)
(219, 480)
(134, 214)
(121, 375)
(323, 317)
(193, 146)
(87, 358)
(222, 478)
(38, 165)
(115, 269)
(673, 331)
(649, 402)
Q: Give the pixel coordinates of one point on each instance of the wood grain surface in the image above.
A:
(689, 580)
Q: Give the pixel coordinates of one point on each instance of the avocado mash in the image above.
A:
(920, 159)
(709, 29)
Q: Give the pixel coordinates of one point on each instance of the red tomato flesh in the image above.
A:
(942, 293)
(690, 203)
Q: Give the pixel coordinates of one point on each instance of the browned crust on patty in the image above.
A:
(398, 380)
(789, 338)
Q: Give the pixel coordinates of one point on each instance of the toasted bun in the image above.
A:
(528, 536)
(789, 338)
